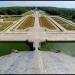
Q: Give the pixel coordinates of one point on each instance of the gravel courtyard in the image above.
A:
(24, 63)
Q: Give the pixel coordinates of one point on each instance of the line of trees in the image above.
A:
(67, 13)
(13, 10)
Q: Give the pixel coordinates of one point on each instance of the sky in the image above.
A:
(64, 4)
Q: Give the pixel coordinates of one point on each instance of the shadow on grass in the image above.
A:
(7, 47)
(67, 47)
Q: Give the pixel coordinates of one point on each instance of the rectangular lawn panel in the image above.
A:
(45, 23)
(11, 18)
(67, 47)
(4, 25)
(28, 22)
(64, 24)
(6, 47)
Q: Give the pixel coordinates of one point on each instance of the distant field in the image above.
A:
(11, 18)
(43, 12)
(29, 22)
(8, 47)
(45, 23)
(64, 24)
(65, 47)
(28, 13)
(4, 25)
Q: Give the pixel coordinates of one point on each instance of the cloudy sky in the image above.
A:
(64, 4)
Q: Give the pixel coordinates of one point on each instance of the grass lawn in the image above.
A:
(11, 18)
(64, 24)
(7, 47)
(28, 13)
(65, 47)
(4, 25)
(43, 12)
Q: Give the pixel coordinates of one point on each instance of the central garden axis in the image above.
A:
(37, 28)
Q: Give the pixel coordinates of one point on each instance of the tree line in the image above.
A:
(68, 13)
(13, 10)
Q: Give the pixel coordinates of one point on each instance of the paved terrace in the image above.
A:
(27, 63)
(56, 36)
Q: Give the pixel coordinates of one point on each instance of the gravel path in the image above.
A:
(16, 63)
(58, 63)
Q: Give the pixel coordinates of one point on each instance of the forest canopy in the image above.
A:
(68, 13)
(13, 10)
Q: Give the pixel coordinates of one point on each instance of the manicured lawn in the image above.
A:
(28, 13)
(8, 47)
(43, 12)
(4, 25)
(45, 23)
(64, 24)
(11, 18)
(65, 47)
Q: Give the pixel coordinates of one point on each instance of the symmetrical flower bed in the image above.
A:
(29, 22)
(45, 23)
(64, 24)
